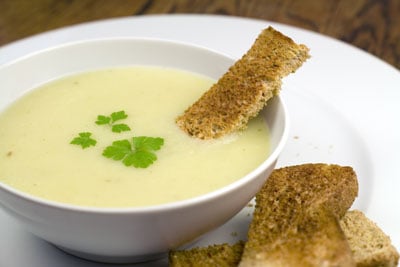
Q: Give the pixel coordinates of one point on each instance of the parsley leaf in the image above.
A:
(120, 128)
(101, 119)
(110, 120)
(119, 115)
(117, 128)
(118, 150)
(84, 140)
(138, 153)
(147, 143)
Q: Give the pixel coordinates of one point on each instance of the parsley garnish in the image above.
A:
(84, 140)
(110, 120)
(139, 152)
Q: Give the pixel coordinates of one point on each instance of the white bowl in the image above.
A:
(129, 234)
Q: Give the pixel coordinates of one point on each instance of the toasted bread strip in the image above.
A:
(369, 244)
(295, 219)
(296, 214)
(370, 247)
(316, 239)
(245, 88)
(223, 255)
(305, 194)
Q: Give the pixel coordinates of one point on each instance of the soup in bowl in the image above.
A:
(93, 162)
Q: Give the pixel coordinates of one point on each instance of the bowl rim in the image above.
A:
(202, 48)
(271, 158)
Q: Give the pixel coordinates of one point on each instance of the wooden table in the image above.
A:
(372, 25)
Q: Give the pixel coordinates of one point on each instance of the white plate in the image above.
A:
(343, 104)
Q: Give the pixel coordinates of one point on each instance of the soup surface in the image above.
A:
(36, 155)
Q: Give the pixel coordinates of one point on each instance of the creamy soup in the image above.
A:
(35, 134)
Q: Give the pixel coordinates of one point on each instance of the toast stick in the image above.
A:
(245, 88)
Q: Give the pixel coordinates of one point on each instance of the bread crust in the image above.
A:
(370, 246)
(296, 215)
(296, 224)
(245, 88)
(223, 255)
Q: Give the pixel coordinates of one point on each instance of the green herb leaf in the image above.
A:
(84, 140)
(147, 143)
(117, 128)
(119, 115)
(118, 150)
(110, 120)
(101, 119)
(140, 159)
(139, 153)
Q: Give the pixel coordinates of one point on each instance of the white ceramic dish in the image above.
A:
(351, 96)
(130, 234)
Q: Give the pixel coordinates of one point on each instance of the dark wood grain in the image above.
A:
(372, 25)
